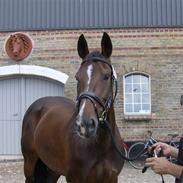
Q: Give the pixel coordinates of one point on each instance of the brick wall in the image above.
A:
(157, 52)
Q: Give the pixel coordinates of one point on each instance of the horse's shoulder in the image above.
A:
(44, 104)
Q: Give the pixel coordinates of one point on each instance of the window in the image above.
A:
(137, 99)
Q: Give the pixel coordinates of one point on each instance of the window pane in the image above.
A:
(128, 98)
(137, 98)
(136, 88)
(145, 98)
(137, 108)
(144, 79)
(128, 79)
(128, 107)
(146, 107)
(136, 78)
(128, 88)
(145, 88)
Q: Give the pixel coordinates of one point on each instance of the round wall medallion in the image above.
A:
(18, 46)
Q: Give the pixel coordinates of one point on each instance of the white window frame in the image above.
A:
(124, 92)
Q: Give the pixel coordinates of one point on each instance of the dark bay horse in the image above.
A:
(60, 137)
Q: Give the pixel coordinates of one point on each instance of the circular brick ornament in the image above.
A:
(18, 46)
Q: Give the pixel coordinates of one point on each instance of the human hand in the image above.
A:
(166, 149)
(158, 165)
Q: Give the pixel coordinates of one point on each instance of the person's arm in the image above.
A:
(174, 152)
(175, 170)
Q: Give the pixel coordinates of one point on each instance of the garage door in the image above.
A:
(16, 94)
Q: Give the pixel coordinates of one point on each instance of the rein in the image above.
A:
(106, 125)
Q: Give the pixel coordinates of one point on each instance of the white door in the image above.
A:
(10, 116)
(16, 95)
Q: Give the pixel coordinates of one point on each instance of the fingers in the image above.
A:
(150, 160)
(160, 146)
(152, 163)
(158, 165)
(156, 148)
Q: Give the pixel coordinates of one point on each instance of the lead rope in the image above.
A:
(163, 181)
(106, 124)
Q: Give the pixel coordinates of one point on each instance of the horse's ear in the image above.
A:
(106, 45)
(82, 47)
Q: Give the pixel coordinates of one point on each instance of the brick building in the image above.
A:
(147, 56)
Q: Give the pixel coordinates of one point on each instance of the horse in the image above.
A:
(61, 137)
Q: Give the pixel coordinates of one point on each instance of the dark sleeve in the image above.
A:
(180, 180)
(181, 177)
(180, 160)
(180, 154)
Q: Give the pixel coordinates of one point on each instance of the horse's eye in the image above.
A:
(106, 76)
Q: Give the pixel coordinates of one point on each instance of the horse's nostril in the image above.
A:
(91, 127)
(92, 123)
(87, 128)
(77, 127)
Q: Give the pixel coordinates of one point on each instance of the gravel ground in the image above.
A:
(12, 172)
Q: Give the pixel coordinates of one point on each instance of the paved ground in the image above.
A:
(12, 172)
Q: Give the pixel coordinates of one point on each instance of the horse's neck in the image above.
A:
(111, 119)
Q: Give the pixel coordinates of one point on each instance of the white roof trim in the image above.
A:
(33, 70)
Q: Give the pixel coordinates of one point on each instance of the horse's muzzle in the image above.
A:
(86, 128)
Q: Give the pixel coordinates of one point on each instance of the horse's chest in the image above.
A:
(103, 172)
(98, 172)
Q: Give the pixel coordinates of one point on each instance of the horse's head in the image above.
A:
(17, 45)
(94, 87)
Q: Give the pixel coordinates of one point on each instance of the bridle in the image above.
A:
(95, 99)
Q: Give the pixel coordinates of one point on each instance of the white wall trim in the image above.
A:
(33, 70)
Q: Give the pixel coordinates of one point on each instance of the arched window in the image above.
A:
(137, 96)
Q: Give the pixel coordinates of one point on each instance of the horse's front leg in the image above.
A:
(102, 176)
(112, 178)
(115, 180)
(52, 177)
